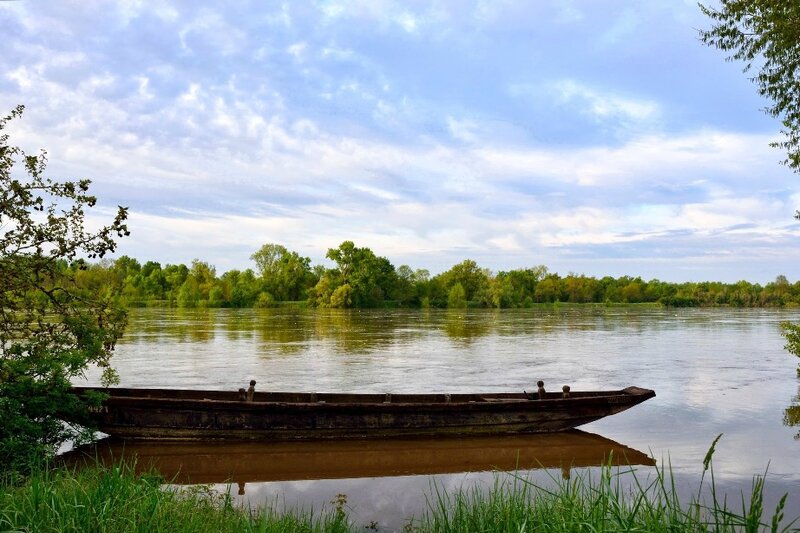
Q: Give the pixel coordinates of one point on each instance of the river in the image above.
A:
(714, 371)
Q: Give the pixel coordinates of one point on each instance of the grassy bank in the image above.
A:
(605, 504)
(114, 500)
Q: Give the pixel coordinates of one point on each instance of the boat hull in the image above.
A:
(202, 415)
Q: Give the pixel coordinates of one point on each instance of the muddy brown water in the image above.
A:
(714, 371)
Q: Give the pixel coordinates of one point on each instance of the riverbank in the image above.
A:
(363, 280)
(114, 499)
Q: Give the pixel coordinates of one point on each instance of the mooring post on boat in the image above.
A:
(242, 394)
(542, 393)
(387, 398)
(565, 389)
(251, 391)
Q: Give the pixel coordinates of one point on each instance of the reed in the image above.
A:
(616, 499)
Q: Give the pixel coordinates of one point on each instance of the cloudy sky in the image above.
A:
(596, 136)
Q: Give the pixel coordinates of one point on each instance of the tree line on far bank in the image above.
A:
(362, 279)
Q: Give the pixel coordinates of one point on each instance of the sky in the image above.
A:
(596, 137)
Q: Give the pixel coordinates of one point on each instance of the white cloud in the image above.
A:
(385, 14)
(376, 192)
(23, 76)
(603, 105)
(144, 87)
(454, 199)
(307, 129)
(209, 29)
(626, 24)
(449, 199)
(338, 54)
(677, 160)
(283, 18)
(191, 97)
(130, 10)
(297, 50)
(407, 21)
(508, 242)
(462, 130)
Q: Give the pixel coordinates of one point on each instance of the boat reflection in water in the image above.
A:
(245, 462)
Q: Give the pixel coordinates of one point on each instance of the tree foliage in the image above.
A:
(765, 33)
(285, 274)
(373, 281)
(360, 279)
(51, 328)
(457, 297)
(473, 279)
(791, 332)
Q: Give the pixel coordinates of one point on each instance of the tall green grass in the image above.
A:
(615, 500)
(112, 499)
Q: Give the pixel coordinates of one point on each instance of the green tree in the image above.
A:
(421, 280)
(457, 297)
(127, 271)
(51, 330)
(371, 278)
(791, 332)
(548, 290)
(473, 279)
(405, 290)
(743, 294)
(189, 293)
(633, 291)
(580, 289)
(174, 276)
(268, 258)
(216, 296)
(342, 297)
(154, 283)
(285, 274)
(197, 285)
(95, 279)
(517, 287)
(320, 294)
(502, 291)
(766, 33)
(777, 292)
(244, 288)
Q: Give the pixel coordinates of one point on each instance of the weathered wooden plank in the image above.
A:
(177, 414)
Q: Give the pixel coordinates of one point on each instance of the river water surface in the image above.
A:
(714, 371)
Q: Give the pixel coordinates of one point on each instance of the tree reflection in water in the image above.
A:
(464, 328)
(791, 416)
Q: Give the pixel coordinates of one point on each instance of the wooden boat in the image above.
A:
(264, 461)
(203, 414)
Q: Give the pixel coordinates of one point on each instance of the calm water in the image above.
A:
(714, 370)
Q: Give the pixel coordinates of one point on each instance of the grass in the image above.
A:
(112, 499)
(602, 503)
